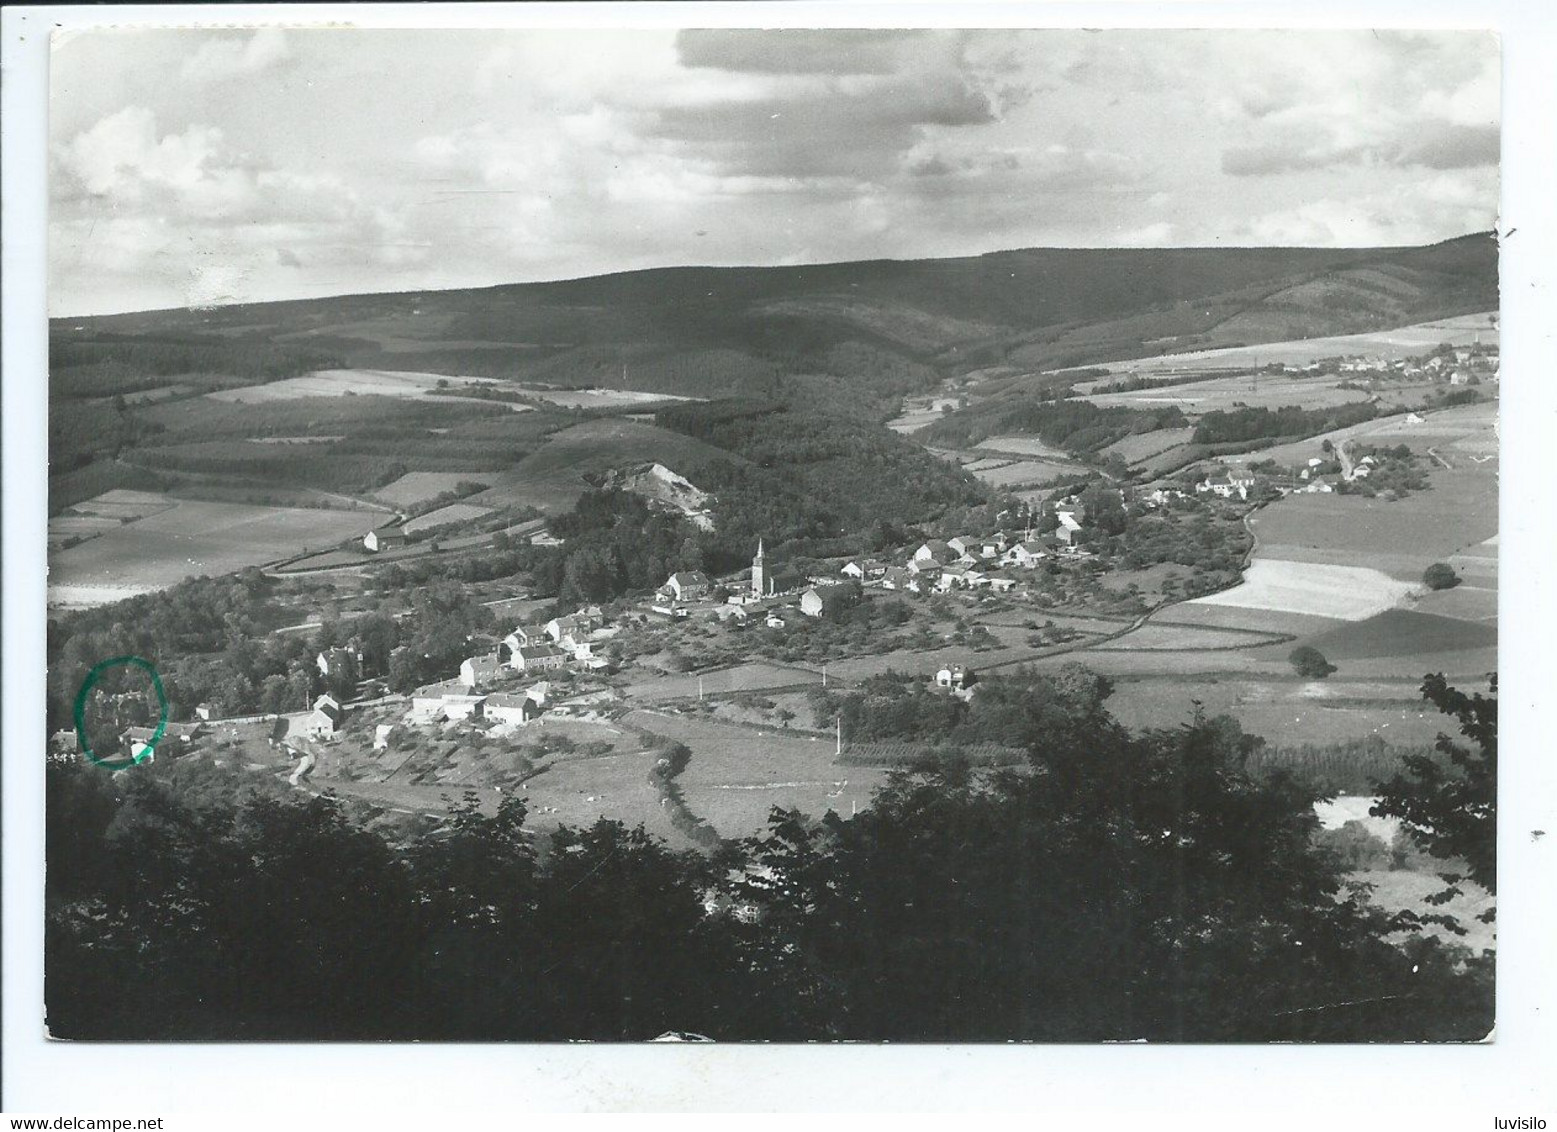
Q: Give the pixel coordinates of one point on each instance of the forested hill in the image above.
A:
(889, 324)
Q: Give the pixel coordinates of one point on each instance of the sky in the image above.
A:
(199, 167)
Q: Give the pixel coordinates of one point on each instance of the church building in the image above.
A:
(769, 581)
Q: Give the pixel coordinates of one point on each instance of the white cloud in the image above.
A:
(228, 58)
(1426, 209)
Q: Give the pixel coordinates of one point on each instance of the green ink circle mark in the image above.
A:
(80, 710)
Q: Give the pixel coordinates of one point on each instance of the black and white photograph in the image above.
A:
(795, 535)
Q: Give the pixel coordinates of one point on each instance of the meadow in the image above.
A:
(1316, 589)
(1402, 342)
(452, 513)
(1022, 446)
(189, 538)
(1245, 389)
(418, 487)
(348, 382)
(1134, 449)
(1283, 710)
(738, 774)
(1022, 472)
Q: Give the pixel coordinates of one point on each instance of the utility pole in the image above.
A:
(699, 688)
(824, 675)
(840, 735)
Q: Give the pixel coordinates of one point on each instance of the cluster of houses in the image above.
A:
(1458, 365)
(563, 644)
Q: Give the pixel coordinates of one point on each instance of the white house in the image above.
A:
(477, 671)
(1027, 553)
(384, 538)
(508, 708)
(449, 700)
(811, 603)
(934, 553)
(687, 585)
(324, 720)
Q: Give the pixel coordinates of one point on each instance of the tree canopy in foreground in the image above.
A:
(1118, 886)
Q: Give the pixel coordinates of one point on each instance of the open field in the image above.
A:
(737, 774)
(1400, 537)
(1405, 341)
(1022, 446)
(349, 382)
(1403, 632)
(1468, 428)
(1256, 391)
(746, 677)
(1397, 889)
(596, 398)
(1236, 617)
(1284, 711)
(1194, 638)
(453, 513)
(1348, 593)
(1022, 472)
(580, 791)
(190, 538)
(1133, 449)
(417, 487)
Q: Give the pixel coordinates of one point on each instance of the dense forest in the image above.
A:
(105, 364)
(1118, 886)
(1078, 427)
(1223, 426)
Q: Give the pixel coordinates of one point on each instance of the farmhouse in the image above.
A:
(338, 662)
(184, 732)
(449, 700)
(1227, 484)
(864, 569)
(516, 641)
(539, 658)
(900, 578)
(811, 603)
(138, 744)
(568, 632)
(505, 707)
(957, 678)
(325, 719)
(1027, 553)
(1069, 530)
(384, 538)
(478, 671)
(934, 553)
(687, 585)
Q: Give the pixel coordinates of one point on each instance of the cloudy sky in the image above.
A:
(193, 167)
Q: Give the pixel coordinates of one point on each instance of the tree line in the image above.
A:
(1119, 886)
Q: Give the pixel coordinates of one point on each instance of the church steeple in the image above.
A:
(759, 580)
(759, 551)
